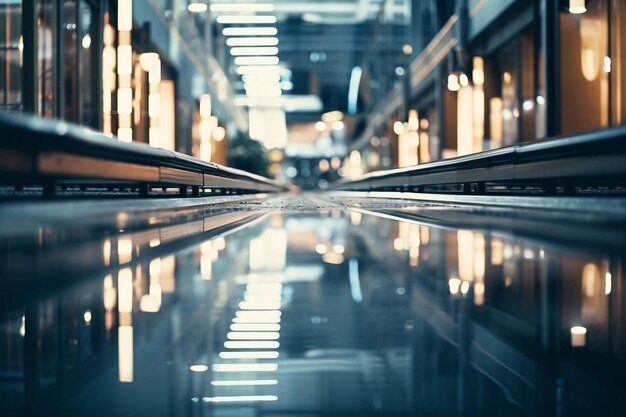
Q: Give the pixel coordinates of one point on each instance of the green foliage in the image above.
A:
(248, 154)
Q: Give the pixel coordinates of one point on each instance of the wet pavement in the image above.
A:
(315, 306)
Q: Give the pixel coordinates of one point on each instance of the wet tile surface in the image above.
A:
(309, 307)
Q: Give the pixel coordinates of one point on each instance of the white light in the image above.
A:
(87, 316)
(197, 7)
(245, 367)
(245, 382)
(125, 100)
(253, 335)
(258, 314)
(245, 20)
(321, 248)
(255, 69)
(339, 249)
(243, 7)
(540, 100)
(454, 284)
(250, 31)
(198, 368)
(256, 60)
(528, 105)
(252, 41)
(124, 15)
(148, 60)
(463, 80)
(249, 355)
(270, 77)
(577, 6)
(453, 83)
(254, 51)
(255, 327)
(238, 344)
(320, 126)
(205, 106)
(607, 64)
(607, 283)
(219, 133)
(124, 60)
(239, 398)
(86, 42)
(398, 128)
(338, 125)
(247, 305)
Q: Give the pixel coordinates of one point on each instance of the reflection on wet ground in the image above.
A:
(302, 307)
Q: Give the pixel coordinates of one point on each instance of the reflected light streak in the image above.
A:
(244, 20)
(253, 41)
(249, 355)
(253, 335)
(244, 382)
(125, 290)
(355, 283)
(240, 398)
(242, 7)
(607, 283)
(250, 31)
(247, 305)
(125, 353)
(245, 367)
(124, 250)
(255, 327)
(236, 344)
(198, 368)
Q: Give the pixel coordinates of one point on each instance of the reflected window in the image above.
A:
(11, 47)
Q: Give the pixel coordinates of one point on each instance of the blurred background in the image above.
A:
(313, 91)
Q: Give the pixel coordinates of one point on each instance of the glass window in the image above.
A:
(11, 47)
(70, 77)
(88, 65)
(46, 58)
(584, 76)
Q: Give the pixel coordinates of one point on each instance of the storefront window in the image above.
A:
(11, 47)
(585, 68)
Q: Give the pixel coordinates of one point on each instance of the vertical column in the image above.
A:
(124, 70)
(29, 55)
(549, 12)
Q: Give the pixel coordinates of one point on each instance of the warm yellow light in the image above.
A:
(413, 120)
(332, 116)
(577, 6)
(154, 76)
(453, 82)
(125, 134)
(465, 133)
(398, 128)
(124, 60)
(407, 49)
(154, 105)
(124, 15)
(125, 353)
(205, 106)
(148, 60)
(579, 336)
(219, 133)
(478, 72)
(125, 290)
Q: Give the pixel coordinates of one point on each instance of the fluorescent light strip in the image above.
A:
(255, 327)
(253, 335)
(239, 398)
(237, 344)
(256, 60)
(246, 382)
(242, 7)
(250, 31)
(262, 298)
(245, 367)
(252, 41)
(245, 20)
(249, 355)
(256, 320)
(246, 305)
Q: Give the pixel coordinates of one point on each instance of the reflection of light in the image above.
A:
(479, 293)
(125, 250)
(248, 305)
(245, 367)
(254, 50)
(256, 41)
(243, 20)
(237, 344)
(321, 249)
(249, 355)
(338, 125)
(250, 31)
(125, 290)
(398, 127)
(198, 368)
(607, 283)
(256, 60)
(253, 335)
(333, 258)
(255, 327)
(125, 353)
(355, 284)
(579, 335)
(454, 284)
(23, 326)
(252, 315)
(398, 243)
(240, 398)
(577, 6)
(339, 249)
(230, 383)
(242, 7)
(355, 218)
(86, 42)
(109, 296)
(124, 16)
(197, 7)
(106, 252)
(464, 287)
(87, 316)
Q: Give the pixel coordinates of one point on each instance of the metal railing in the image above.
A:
(54, 156)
